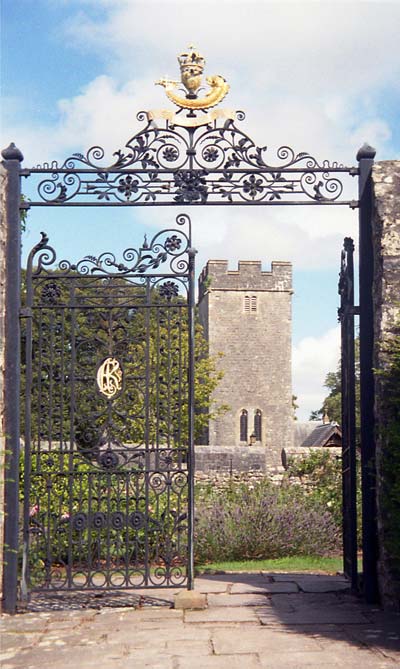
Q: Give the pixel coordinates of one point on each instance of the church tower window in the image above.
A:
(257, 425)
(243, 425)
(250, 304)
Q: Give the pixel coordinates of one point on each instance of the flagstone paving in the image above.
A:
(252, 621)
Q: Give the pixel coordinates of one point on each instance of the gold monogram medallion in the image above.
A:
(109, 377)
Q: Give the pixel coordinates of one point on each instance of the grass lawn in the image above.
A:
(328, 565)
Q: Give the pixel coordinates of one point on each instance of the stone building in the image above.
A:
(246, 316)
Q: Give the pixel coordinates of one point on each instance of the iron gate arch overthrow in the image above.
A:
(195, 156)
(109, 417)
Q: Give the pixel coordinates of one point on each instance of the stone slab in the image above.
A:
(247, 661)
(237, 600)
(156, 613)
(320, 660)
(261, 640)
(268, 615)
(222, 614)
(289, 630)
(190, 599)
(23, 623)
(264, 587)
(304, 608)
(189, 647)
(13, 641)
(141, 659)
(383, 637)
(322, 586)
(211, 586)
(83, 657)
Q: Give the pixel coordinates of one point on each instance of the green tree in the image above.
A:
(295, 406)
(152, 345)
(332, 404)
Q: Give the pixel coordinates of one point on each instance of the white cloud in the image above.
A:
(308, 237)
(309, 74)
(377, 131)
(306, 76)
(102, 113)
(313, 358)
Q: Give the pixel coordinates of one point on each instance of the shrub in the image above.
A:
(261, 521)
(321, 474)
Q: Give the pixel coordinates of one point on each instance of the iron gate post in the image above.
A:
(365, 157)
(191, 454)
(12, 159)
(347, 312)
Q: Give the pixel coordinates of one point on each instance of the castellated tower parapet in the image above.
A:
(246, 316)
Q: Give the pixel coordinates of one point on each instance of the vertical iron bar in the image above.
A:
(191, 454)
(28, 429)
(349, 486)
(351, 430)
(147, 427)
(12, 159)
(72, 404)
(365, 157)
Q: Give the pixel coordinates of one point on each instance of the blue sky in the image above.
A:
(322, 77)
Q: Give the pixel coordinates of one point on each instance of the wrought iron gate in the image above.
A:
(196, 155)
(347, 311)
(109, 417)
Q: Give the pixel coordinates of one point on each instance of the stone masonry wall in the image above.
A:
(3, 179)
(230, 459)
(386, 231)
(256, 347)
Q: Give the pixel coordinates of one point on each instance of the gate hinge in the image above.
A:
(25, 312)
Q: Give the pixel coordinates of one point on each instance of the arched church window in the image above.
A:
(243, 425)
(257, 425)
(247, 304)
(253, 304)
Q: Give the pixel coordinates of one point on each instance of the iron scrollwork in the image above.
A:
(195, 155)
(215, 164)
(106, 497)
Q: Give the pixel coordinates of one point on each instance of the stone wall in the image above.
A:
(3, 179)
(229, 459)
(241, 460)
(246, 316)
(386, 231)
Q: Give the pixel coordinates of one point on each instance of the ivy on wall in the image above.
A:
(389, 399)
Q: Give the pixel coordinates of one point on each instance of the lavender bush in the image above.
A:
(261, 521)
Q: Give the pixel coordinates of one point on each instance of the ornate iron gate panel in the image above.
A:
(347, 312)
(109, 417)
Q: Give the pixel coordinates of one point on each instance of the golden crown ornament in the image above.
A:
(192, 64)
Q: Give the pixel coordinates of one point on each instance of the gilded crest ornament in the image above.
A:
(192, 64)
(109, 377)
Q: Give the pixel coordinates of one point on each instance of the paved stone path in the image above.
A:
(263, 621)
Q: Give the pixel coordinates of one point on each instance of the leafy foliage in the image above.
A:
(332, 404)
(260, 520)
(320, 473)
(295, 406)
(53, 406)
(389, 396)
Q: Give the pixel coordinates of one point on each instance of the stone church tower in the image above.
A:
(246, 315)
